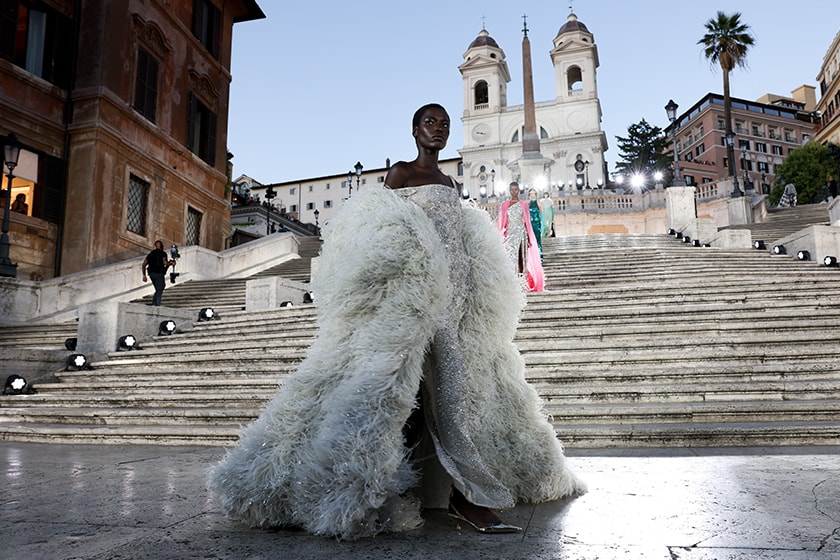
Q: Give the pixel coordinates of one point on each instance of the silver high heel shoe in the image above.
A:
(491, 528)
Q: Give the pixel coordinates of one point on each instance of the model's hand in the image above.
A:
(144, 278)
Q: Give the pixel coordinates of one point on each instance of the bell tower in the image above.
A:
(485, 73)
(575, 59)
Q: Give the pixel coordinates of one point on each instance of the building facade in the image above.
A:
(829, 105)
(766, 131)
(572, 144)
(316, 199)
(121, 108)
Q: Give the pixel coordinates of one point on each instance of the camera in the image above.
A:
(174, 255)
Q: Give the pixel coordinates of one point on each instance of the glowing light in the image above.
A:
(657, 176)
(540, 182)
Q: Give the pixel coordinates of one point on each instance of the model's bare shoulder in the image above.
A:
(398, 175)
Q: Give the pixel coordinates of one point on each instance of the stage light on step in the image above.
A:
(307, 297)
(696, 243)
(77, 362)
(759, 245)
(17, 385)
(672, 231)
(678, 234)
(207, 314)
(127, 342)
(70, 343)
(830, 261)
(167, 327)
(803, 256)
(286, 304)
(779, 250)
(686, 239)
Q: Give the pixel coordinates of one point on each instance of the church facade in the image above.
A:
(571, 142)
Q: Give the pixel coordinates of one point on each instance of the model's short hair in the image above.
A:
(415, 121)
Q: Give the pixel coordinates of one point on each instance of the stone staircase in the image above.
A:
(782, 222)
(639, 340)
(229, 294)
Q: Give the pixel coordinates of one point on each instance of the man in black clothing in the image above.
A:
(157, 262)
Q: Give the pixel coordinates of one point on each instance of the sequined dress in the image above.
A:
(445, 373)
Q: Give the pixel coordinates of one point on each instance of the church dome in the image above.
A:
(572, 25)
(484, 40)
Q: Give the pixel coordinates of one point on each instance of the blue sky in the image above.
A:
(319, 85)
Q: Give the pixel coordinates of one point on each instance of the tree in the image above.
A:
(726, 43)
(645, 150)
(808, 168)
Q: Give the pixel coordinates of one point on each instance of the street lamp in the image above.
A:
(730, 154)
(11, 153)
(586, 163)
(671, 110)
(492, 182)
(358, 173)
(269, 195)
(744, 167)
(316, 217)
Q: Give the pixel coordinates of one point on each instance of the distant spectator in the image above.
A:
(19, 205)
(788, 196)
(156, 262)
(832, 186)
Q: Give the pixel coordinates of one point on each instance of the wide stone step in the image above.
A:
(716, 434)
(104, 416)
(699, 412)
(117, 434)
(692, 392)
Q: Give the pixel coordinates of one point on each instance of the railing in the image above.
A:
(598, 200)
(287, 222)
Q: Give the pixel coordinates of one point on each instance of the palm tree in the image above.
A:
(726, 42)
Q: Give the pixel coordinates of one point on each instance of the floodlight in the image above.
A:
(127, 342)
(803, 256)
(70, 343)
(830, 261)
(759, 245)
(779, 250)
(77, 362)
(167, 327)
(15, 385)
(207, 314)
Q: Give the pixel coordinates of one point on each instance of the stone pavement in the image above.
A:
(150, 502)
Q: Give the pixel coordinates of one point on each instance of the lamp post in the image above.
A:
(586, 163)
(269, 196)
(317, 213)
(11, 153)
(358, 173)
(492, 182)
(744, 167)
(671, 110)
(358, 167)
(730, 154)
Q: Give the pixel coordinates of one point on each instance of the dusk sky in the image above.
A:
(320, 85)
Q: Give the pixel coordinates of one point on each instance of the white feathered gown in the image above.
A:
(413, 289)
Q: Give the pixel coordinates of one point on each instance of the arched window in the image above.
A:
(482, 96)
(543, 134)
(574, 80)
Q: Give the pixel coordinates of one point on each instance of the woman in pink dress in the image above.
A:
(520, 241)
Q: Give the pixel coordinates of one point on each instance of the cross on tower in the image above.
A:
(525, 24)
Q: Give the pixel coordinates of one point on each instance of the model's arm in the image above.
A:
(145, 262)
